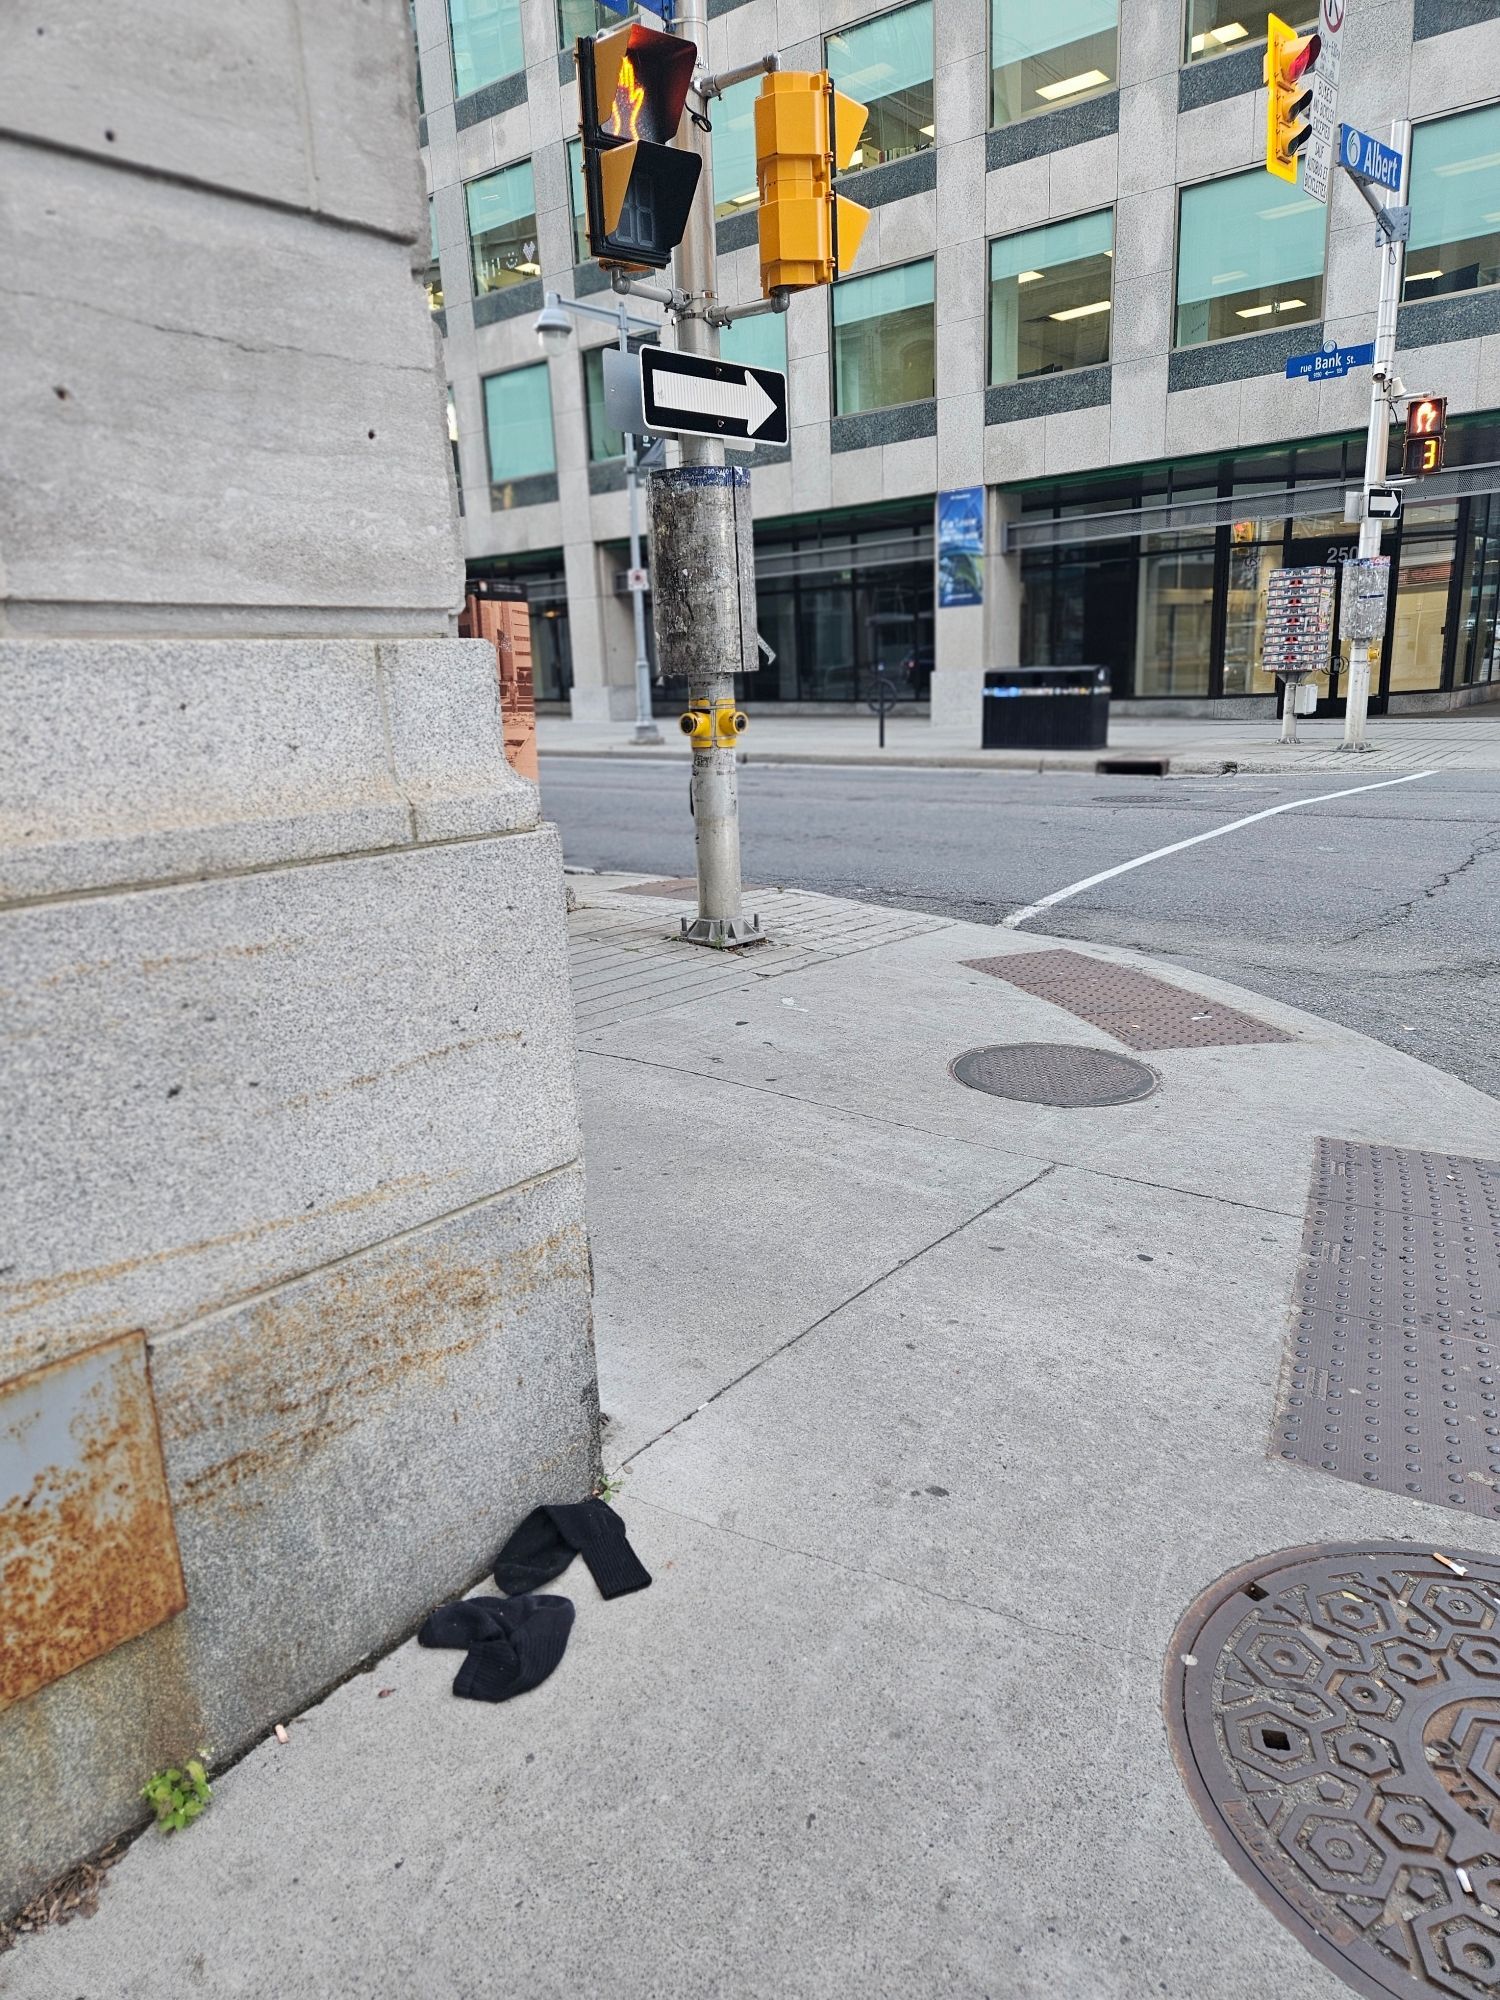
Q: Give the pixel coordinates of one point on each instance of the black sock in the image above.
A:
(547, 1540)
(513, 1642)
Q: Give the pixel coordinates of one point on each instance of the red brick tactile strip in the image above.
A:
(1137, 1009)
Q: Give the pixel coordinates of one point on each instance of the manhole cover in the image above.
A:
(1336, 1714)
(1058, 1073)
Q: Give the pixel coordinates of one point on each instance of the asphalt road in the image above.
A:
(1381, 910)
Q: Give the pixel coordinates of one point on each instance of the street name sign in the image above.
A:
(1368, 160)
(1323, 112)
(707, 398)
(1330, 360)
(1384, 504)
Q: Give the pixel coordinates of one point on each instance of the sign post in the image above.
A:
(1317, 171)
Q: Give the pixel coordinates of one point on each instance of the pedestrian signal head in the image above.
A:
(1290, 61)
(638, 187)
(1426, 424)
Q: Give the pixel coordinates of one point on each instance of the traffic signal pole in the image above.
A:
(703, 575)
(1383, 392)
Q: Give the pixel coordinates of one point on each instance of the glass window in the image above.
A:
(1216, 25)
(578, 199)
(486, 42)
(1050, 297)
(604, 443)
(759, 342)
(734, 148)
(1455, 205)
(502, 228)
(882, 339)
(1249, 256)
(518, 423)
(886, 65)
(1256, 548)
(416, 44)
(587, 17)
(1175, 626)
(1045, 55)
(434, 277)
(1424, 571)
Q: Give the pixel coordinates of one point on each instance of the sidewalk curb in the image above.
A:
(994, 760)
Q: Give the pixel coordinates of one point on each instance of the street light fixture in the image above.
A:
(553, 327)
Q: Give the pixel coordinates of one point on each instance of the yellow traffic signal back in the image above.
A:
(638, 187)
(1426, 424)
(1290, 58)
(805, 132)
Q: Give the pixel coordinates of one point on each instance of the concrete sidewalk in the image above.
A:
(932, 1413)
(1465, 742)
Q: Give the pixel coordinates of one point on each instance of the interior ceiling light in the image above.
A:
(1071, 85)
(928, 131)
(1421, 277)
(1027, 277)
(1252, 312)
(1232, 31)
(1290, 305)
(1082, 312)
(744, 200)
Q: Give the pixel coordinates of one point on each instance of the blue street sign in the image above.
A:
(1367, 159)
(1330, 360)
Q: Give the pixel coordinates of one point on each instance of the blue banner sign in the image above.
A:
(960, 539)
(1367, 159)
(1330, 360)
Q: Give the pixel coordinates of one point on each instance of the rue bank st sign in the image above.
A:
(1330, 360)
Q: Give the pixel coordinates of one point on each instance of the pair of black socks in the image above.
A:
(514, 1642)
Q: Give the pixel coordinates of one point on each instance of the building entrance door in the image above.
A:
(1309, 554)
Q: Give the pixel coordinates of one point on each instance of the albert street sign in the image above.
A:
(1330, 360)
(1368, 160)
(707, 398)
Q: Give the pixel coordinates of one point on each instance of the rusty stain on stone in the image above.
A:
(88, 1552)
(330, 1353)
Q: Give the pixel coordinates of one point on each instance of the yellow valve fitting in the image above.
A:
(698, 726)
(730, 721)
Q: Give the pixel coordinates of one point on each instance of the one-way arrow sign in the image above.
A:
(723, 399)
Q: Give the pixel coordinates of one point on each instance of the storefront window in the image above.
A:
(883, 339)
(1455, 205)
(502, 228)
(1249, 256)
(518, 425)
(1424, 572)
(886, 65)
(1250, 564)
(1478, 658)
(1216, 25)
(1174, 624)
(734, 148)
(486, 42)
(1050, 297)
(842, 600)
(434, 278)
(1042, 56)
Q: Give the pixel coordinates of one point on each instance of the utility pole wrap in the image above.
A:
(703, 598)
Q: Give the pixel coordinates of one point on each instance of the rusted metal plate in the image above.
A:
(1392, 1375)
(1141, 1012)
(1058, 1073)
(1335, 1713)
(88, 1553)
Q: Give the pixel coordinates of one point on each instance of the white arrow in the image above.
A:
(745, 402)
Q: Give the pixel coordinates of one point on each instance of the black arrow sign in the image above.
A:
(724, 399)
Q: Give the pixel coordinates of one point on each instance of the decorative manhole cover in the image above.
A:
(1336, 1714)
(1054, 1073)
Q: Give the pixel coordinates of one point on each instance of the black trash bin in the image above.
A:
(1046, 708)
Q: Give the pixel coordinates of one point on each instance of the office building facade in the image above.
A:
(1076, 300)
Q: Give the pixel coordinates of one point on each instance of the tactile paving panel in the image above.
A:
(1057, 1073)
(1335, 1713)
(1138, 1010)
(1392, 1376)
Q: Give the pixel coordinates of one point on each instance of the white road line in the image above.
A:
(1019, 917)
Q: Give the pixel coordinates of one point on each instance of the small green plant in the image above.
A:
(177, 1797)
(609, 1485)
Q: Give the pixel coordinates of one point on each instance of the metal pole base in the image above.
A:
(723, 933)
(647, 732)
(1355, 749)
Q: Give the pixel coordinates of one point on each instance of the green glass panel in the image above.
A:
(486, 42)
(1056, 243)
(1249, 257)
(1023, 28)
(518, 422)
(734, 148)
(886, 65)
(1455, 179)
(760, 343)
(883, 292)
